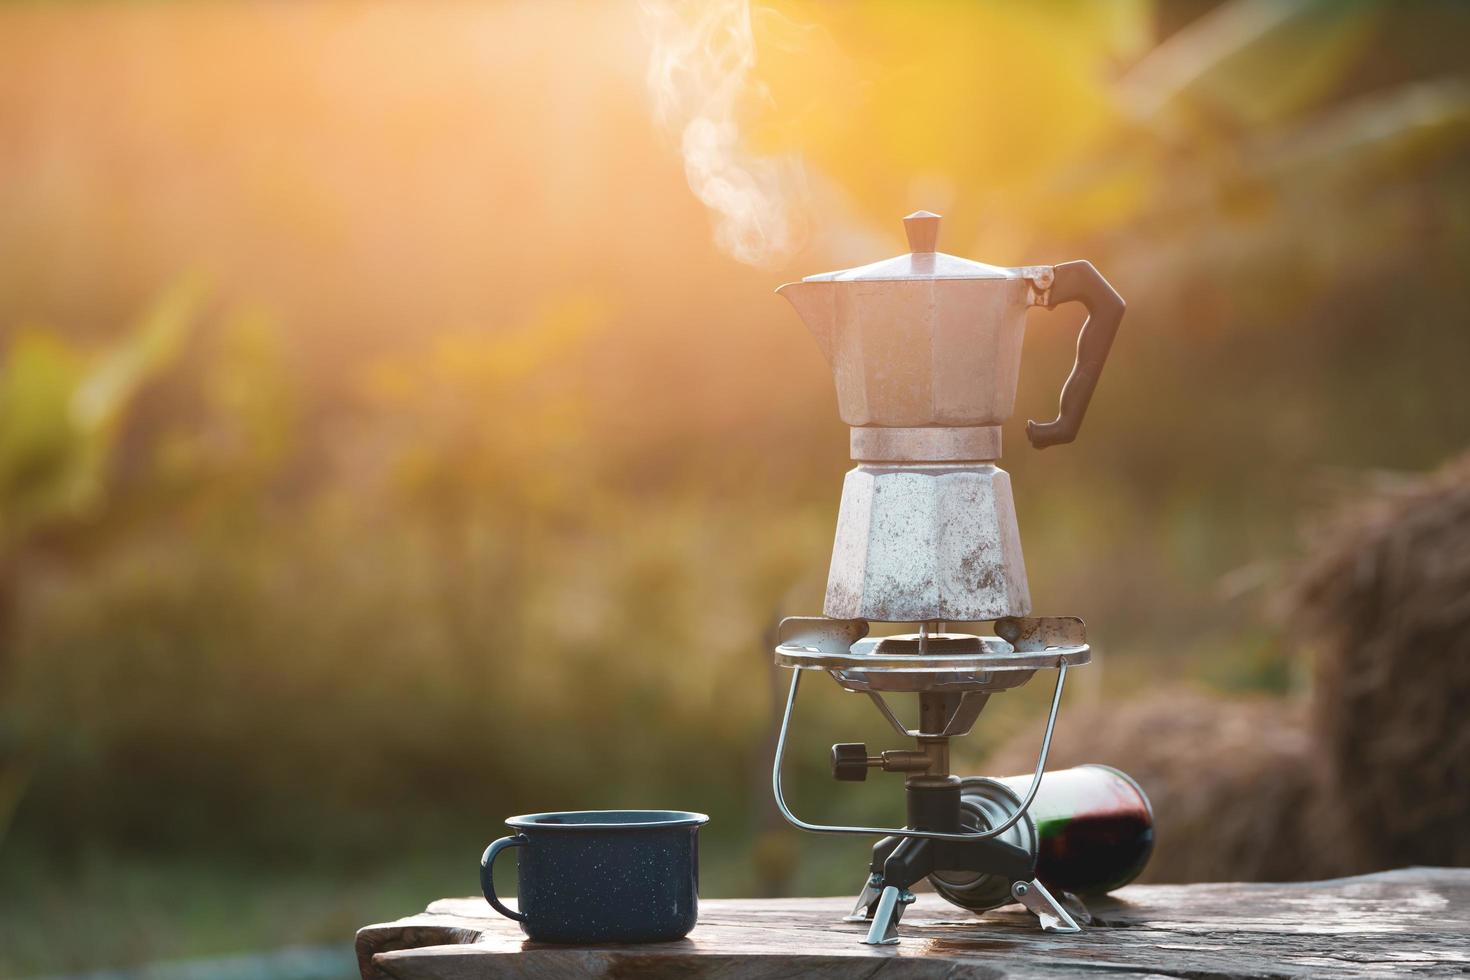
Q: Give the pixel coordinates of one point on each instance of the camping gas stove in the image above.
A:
(925, 348)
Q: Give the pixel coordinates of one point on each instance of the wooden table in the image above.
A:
(1413, 922)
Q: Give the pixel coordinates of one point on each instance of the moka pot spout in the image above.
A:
(816, 304)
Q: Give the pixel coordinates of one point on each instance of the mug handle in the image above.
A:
(487, 874)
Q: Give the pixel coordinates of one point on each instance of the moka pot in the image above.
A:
(925, 349)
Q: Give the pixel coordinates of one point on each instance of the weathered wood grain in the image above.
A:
(1413, 922)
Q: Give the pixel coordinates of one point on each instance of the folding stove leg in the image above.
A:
(866, 900)
(891, 903)
(1034, 896)
(903, 863)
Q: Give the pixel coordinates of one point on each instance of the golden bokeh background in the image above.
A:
(392, 439)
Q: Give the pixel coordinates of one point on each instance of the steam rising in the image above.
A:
(699, 72)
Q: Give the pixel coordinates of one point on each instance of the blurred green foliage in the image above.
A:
(280, 592)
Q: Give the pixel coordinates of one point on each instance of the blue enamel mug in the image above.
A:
(602, 876)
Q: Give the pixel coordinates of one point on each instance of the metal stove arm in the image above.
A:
(816, 828)
(959, 723)
(888, 714)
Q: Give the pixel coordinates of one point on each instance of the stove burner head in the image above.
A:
(934, 644)
(924, 661)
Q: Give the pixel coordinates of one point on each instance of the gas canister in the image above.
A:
(1091, 829)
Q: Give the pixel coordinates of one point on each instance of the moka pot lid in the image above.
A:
(922, 261)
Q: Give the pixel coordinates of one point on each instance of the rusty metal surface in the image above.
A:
(819, 634)
(1042, 632)
(936, 542)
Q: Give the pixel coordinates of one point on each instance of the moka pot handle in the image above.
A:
(1080, 282)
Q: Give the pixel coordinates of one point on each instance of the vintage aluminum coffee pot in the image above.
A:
(926, 349)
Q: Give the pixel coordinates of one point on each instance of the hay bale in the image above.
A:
(1385, 604)
(1236, 790)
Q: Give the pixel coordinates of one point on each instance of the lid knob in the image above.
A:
(923, 230)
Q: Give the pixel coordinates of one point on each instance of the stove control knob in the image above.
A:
(850, 761)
